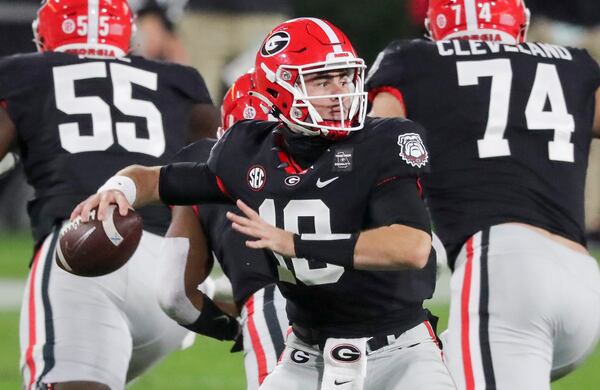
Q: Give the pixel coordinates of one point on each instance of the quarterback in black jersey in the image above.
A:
(77, 111)
(336, 206)
(252, 273)
(510, 124)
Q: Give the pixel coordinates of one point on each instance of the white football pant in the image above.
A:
(106, 329)
(523, 309)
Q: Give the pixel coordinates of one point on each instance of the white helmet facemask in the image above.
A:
(304, 117)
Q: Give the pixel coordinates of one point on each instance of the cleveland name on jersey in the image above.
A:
(80, 119)
(499, 117)
(366, 180)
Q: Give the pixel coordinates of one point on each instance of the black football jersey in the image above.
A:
(509, 130)
(248, 270)
(80, 120)
(346, 190)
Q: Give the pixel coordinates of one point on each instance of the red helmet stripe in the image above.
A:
(92, 22)
(333, 38)
(471, 15)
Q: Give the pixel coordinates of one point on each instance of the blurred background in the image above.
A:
(220, 38)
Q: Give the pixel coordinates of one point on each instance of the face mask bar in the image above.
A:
(351, 118)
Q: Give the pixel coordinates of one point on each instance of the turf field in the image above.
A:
(207, 365)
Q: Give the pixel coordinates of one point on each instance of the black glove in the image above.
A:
(215, 323)
(238, 344)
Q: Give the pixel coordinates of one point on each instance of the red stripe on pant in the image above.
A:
(433, 337)
(32, 336)
(464, 317)
(287, 334)
(255, 339)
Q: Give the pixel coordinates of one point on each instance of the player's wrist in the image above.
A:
(121, 183)
(335, 250)
(214, 322)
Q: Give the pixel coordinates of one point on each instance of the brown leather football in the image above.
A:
(98, 247)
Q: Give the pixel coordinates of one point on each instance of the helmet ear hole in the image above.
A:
(272, 92)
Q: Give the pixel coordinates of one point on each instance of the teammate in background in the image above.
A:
(79, 110)
(348, 216)
(252, 273)
(509, 125)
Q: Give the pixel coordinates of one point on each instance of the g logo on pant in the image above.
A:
(299, 356)
(346, 353)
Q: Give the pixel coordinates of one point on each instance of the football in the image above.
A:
(98, 247)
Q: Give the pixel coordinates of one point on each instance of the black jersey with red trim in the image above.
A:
(509, 130)
(80, 120)
(364, 181)
(248, 270)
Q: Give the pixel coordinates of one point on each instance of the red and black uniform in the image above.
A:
(79, 120)
(364, 181)
(536, 99)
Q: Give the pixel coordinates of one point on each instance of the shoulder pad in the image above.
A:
(20, 70)
(244, 134)
(401, 144)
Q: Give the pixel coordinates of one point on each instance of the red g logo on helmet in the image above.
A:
(499, 20)
(100, 28)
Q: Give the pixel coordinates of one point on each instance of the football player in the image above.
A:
(252, 274)
(80, 109)
(509, 125)
(334, 200)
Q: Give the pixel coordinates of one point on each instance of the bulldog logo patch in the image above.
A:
(412, 150)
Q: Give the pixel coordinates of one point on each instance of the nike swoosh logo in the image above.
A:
(337, 383)
(321, 184)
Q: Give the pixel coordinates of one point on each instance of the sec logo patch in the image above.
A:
(256, 177)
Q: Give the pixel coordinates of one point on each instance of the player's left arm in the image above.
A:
(385, 81)
(596, 127)
(396, 246)
(186, 262)
(387, 105)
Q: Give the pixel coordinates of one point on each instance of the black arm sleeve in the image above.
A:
(189, 184)
(398, 201)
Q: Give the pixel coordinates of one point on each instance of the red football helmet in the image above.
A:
(498, 20)
(239, 104)
(99, 28)
(306, 46)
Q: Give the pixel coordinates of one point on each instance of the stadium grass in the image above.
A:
(16, 251)
(207, 364)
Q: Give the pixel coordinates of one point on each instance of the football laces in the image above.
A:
(74, 224)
